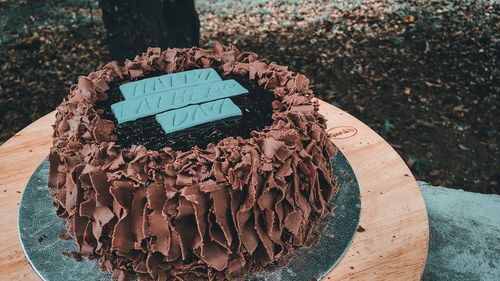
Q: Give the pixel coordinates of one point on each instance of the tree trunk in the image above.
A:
(133, 26)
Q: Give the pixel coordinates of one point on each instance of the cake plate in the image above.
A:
(391, 243)
(39, 229)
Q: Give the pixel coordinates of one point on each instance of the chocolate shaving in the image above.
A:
(73, 254)
(41, 238)
(210, 214)
(64, 236)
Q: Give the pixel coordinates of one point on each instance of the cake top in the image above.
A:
(253, 101)
(274, 91)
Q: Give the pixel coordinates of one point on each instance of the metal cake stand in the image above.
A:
(39, 228)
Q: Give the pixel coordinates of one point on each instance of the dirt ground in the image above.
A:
(423, 74)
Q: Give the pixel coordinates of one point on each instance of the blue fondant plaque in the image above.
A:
(134, 108)
(168, 82)
(189, 116)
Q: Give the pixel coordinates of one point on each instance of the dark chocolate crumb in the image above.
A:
(41, 238)
(75, 255)
(64, 236)
(360, 229)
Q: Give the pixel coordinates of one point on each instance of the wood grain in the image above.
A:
(393, 245)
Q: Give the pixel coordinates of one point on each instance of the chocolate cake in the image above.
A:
(215, 201)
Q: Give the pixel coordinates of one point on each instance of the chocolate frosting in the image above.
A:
(213, 213)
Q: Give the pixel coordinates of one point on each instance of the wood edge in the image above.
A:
(24, 133)
(30, 145)
(324, 107)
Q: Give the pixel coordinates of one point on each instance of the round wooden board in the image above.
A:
(392, 241)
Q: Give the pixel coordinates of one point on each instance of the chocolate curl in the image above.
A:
(175, 245)
(221, 210)
(123, 238)
(247, 233)
(74, 194)
(101, 85)
(79, 224)
(87, 207)
(264, 238)
(137, 217)
(100, 184)
(54, 162)
(115, 68)
(215, 255)
(103, 129)
(86, 84)
(159, 227)
(200, 204)
(102, 216)
(186, 227)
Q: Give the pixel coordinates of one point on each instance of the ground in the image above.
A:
(423, 74)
